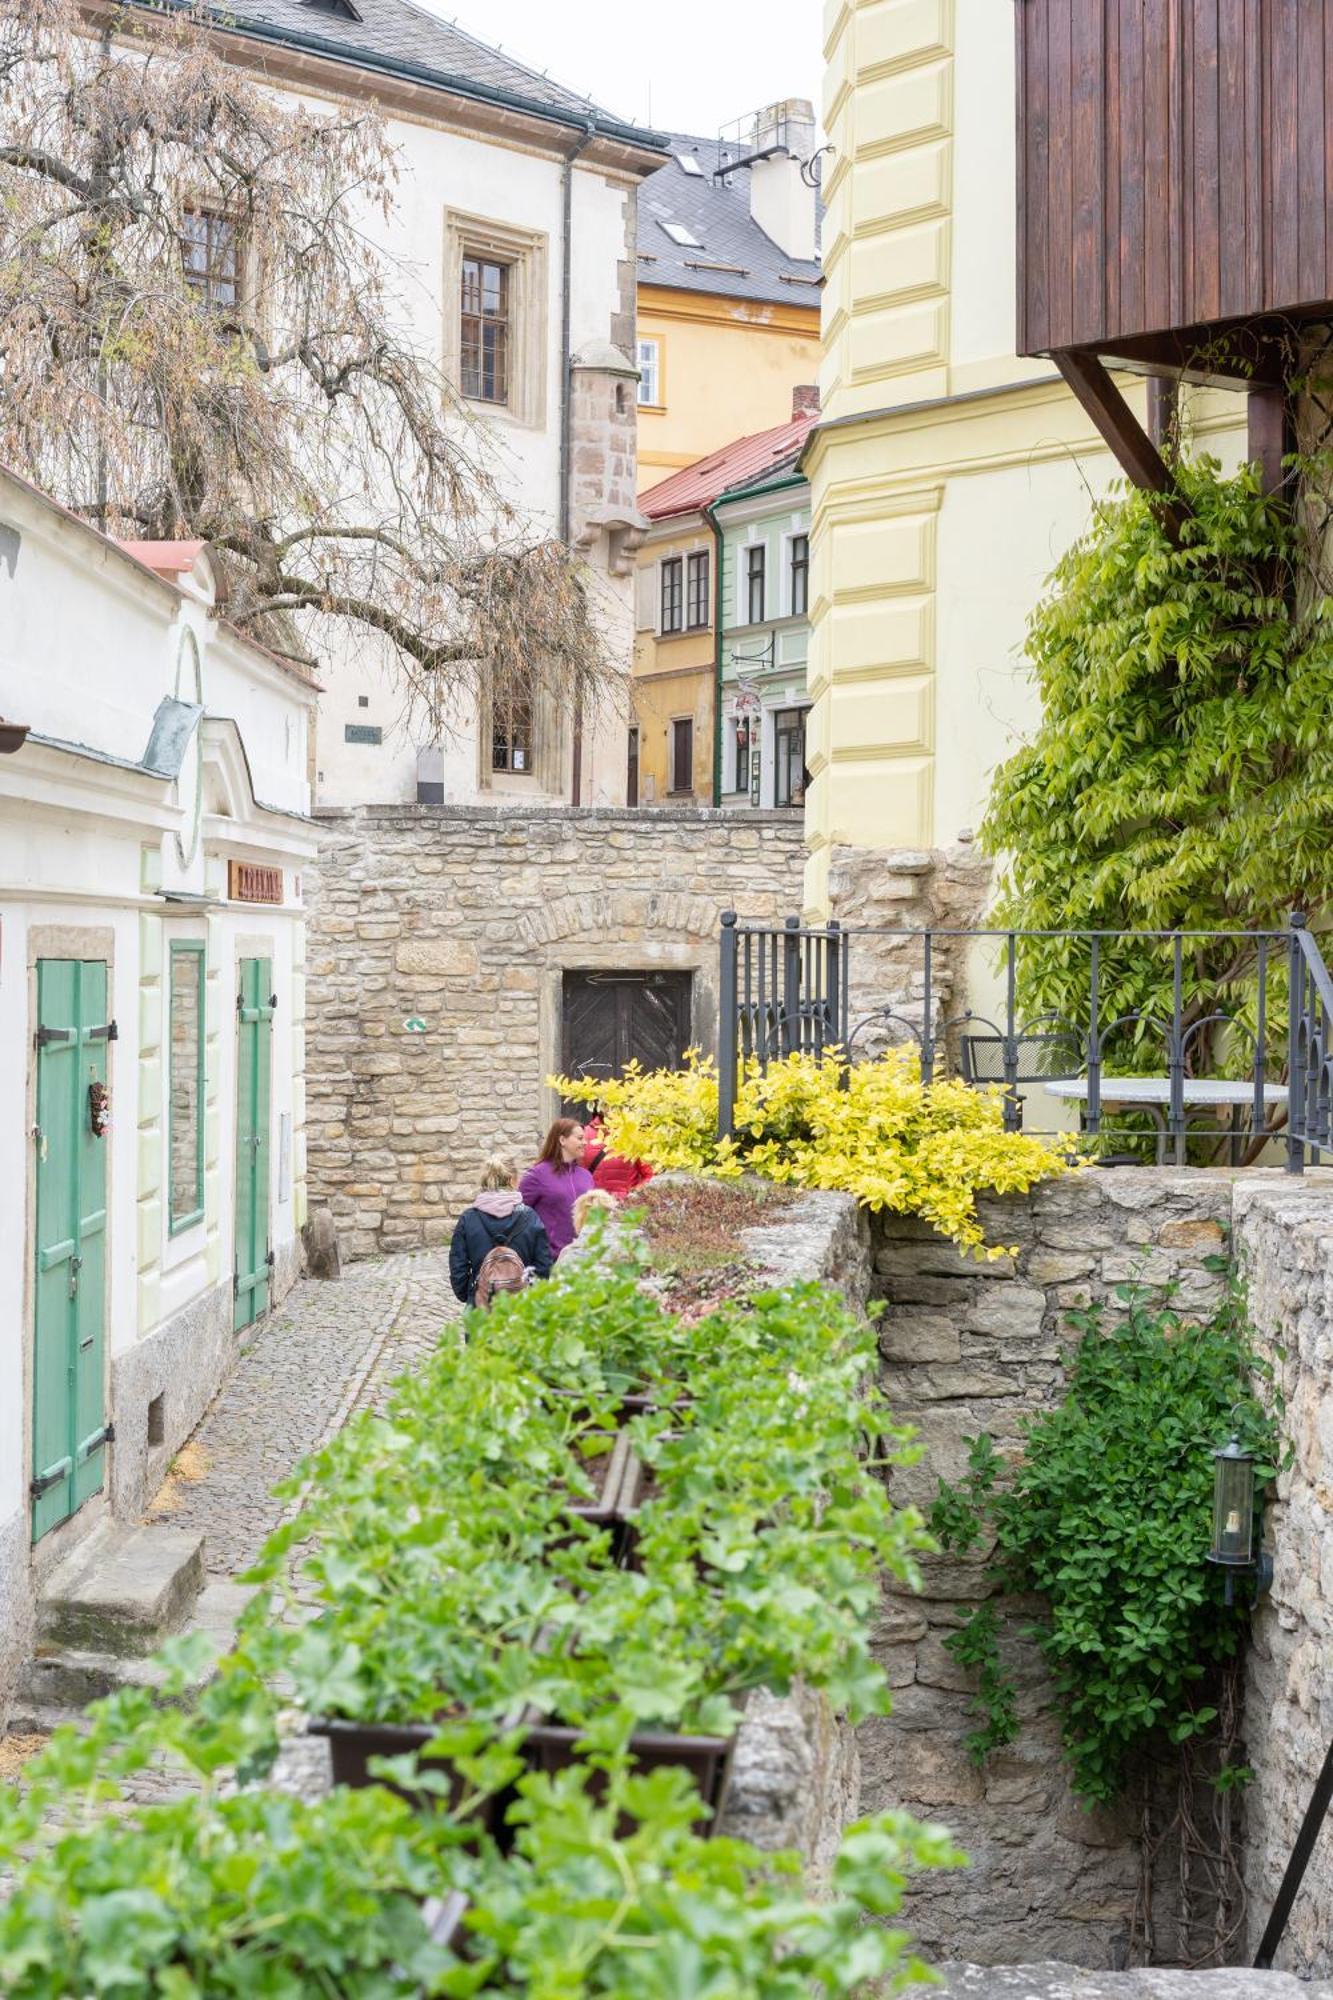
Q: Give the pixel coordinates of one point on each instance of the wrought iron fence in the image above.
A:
(790, 989)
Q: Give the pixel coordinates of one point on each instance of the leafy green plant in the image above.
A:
(873, 1130)
(1183, 688)
(1108, 1514)
(585, 1908)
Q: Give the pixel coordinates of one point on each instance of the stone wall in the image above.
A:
(969, 1347)
(465, 920)
(909, 890)
(1284, 1241)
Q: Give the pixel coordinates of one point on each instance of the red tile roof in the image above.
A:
(694, 486)
(165, 558)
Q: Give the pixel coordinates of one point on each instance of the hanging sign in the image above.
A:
(248, 882)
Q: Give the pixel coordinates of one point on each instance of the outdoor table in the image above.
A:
(1153, 1095)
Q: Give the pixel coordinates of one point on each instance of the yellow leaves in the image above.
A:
(873, 1131)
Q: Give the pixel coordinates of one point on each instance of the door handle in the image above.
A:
(75, 1266)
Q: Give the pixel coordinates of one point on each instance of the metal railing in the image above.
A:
(790, 989)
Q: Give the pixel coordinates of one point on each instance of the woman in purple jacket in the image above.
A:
(556, 1180)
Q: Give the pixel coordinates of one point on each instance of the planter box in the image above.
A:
(352, 1745)
(550, 1747)
(607, 1472)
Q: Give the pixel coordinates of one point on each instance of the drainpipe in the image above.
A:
(567, 413)
(718, 546)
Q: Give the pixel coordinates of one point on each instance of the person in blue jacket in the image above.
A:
(498, 1218)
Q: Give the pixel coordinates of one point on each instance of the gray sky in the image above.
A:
(690, 65)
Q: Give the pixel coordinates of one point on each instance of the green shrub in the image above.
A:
(1108, 1514)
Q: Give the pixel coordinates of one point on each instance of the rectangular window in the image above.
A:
(682, 755)
(211, 258)
(632, 770)
(185, 1087)
(742, 773)
(800, 575)
(650, 373)
(697, 605)
(755, 565)
(672, 593)
(511, 735)
(789, 757)
(485, 330)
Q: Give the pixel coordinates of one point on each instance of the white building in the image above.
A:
(516, 199)
(154, 801)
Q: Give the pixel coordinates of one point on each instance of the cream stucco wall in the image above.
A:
(947, 475)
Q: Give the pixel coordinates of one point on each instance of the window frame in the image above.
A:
(679, 723)
(502, 714)
(698, 560)
(502, 358)
(650, 373)
(674, 563)
(779, 717)
(794, 569)
(179, 950)
(200, 284)
(525, 254)
(755, 574)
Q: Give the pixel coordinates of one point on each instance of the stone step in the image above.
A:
(69, 1677)
(122, 1591)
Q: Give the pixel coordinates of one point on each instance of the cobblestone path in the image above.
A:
(331, 1349)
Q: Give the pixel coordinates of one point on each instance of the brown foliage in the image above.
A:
(290, 422)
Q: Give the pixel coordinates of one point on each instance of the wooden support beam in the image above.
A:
(1269, 419)
(1090, 382)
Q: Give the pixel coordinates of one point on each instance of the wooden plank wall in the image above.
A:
(1175, 164)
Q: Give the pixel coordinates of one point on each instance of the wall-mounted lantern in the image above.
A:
(1233, 1518)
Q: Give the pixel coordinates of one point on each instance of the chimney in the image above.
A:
(780, 201)
(805, 400)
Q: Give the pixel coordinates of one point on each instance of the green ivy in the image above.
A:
(1182, 771)
(1108, 1515)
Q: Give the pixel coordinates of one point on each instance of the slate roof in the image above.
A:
(404, 39)
(748, 461)
(718, 213)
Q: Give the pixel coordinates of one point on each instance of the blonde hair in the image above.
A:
(587, 1204)
(500, 1171)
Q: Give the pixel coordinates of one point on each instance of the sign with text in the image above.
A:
(248, 882)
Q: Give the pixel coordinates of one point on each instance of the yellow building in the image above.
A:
(947, 475)
(728, 292)
(673, 741)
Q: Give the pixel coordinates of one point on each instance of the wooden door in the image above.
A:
(69, 1409)
(614, 1018)
(254, 1054)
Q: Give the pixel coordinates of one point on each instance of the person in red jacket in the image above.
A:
(609, 1172)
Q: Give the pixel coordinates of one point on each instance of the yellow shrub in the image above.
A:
(926, 1150)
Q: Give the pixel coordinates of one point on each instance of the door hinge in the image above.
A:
(236, 1285)
(45, 1036)
(110, 1033)
(56, 1477)
(107, 1435)
(273, 1003)
(269, 1260)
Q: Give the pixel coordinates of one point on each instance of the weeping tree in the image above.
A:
(1182, 772)
(196, 339)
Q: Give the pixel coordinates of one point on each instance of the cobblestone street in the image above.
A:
(333, 1348)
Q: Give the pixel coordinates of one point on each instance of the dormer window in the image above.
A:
(341, 10)
(683, 236)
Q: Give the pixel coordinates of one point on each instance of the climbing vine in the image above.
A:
(1181, 774)
(1108, 1515)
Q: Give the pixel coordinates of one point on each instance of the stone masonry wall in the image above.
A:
(1284, 1241)
(466, 919)
(909, 890)
(969, 1347)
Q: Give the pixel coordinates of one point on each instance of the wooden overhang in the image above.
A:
(1175, 198)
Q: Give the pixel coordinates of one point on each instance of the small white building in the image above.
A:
(154, 801)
